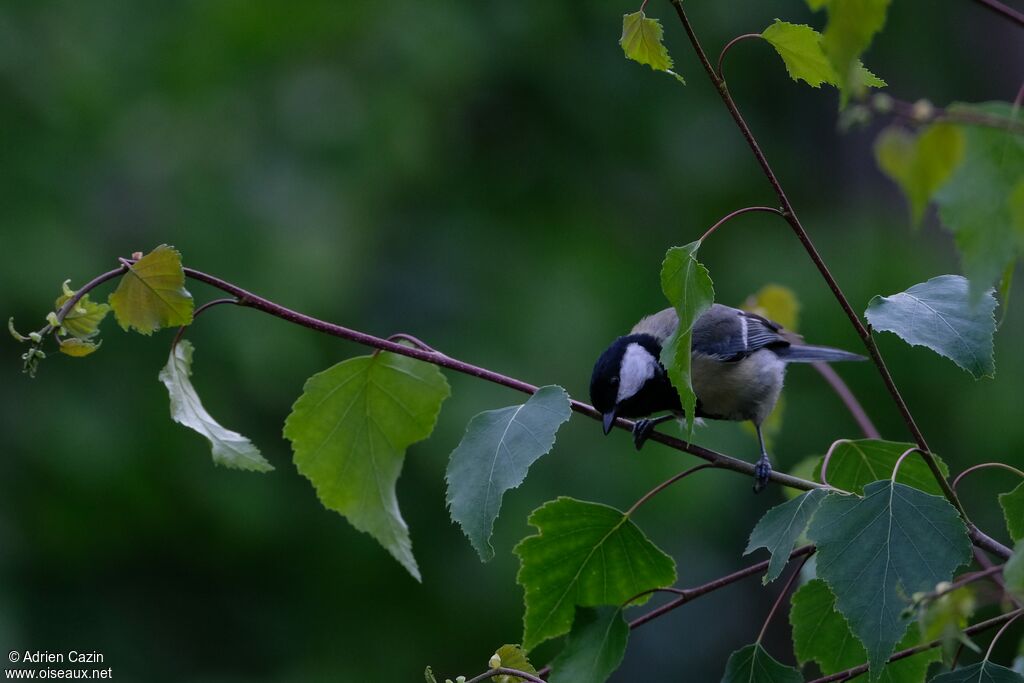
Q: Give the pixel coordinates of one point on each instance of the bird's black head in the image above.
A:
(629, 381)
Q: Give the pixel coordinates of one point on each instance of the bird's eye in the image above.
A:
(615, 379)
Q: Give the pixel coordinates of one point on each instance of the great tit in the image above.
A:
(738, 364)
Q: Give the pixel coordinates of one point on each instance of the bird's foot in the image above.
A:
(762, 470)
(642, 429)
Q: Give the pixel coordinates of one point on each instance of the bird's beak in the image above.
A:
(609, 420)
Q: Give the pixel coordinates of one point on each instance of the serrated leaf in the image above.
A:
(855, 464)
(821, 635)
(753, 664)
(799, 46)
(1013, 572)
(594, 648)
(906, 541)
(1013, 510)
(513, 657)
(75, 347)
(688, 288)
(920, 164)
(494, 456)
(977, 203)
(586, 555)
(84, 318)
(982, 672)
(152, 293)
(779, 529)
(350, 429)
(642, 41)
(852, 24)
(942, 315)
(230, 449)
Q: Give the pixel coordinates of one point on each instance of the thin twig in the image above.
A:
(899, 461)
(999, 633)
(852, 673)
(828, 458)
(1003, 10)
(790, 213)
(502, 670)
(849, 400)
(195, 314)
(923, 112)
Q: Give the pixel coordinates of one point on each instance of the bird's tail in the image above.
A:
(799, 353)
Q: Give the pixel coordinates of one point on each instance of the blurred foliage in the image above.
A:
(492, 177)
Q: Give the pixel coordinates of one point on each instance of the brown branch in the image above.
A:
(1003, 11)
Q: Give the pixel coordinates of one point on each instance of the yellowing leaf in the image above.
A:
(84, 318)
(919, 164)
(852, 24)
(642, 42)
(799, 46)
(77, 348)
(152, 294)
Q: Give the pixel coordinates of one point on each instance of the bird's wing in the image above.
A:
(729, 334)
(660, 325)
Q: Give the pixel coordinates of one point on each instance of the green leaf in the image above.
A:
(1013, 572)
(780, 528)
(1013, 509)
(805, 469)
(594, 648)
(513, 657)
(152, 293)
(642, 42)
(428, 675)
(752, 664)
(945, 618)
(855, 464)
(688, 288)
(799, 46)
(84, 318)
(920, 164)
(821, 634)
(230, 449)
(982, 672)
(906, 541)
(978, 203)
(942, 315)
(587, 555)
(852, 24)
(349, 431)
(495, 455)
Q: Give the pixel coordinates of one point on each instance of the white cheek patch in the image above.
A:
(638, 366)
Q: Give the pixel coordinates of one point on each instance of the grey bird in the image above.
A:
(738, 365)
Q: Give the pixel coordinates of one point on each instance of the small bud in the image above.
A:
(882, 103)
(66, 286)
(448, 680)
(51, 318)
(35, 337)
(943, 586)
(460, 679)
(923, 111)
(136, 255)
(495, 661)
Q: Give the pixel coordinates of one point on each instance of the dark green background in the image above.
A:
(490, 176)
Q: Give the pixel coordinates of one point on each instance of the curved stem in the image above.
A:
(999, 633)
(910, 652)
(899, 461)
(728, 46)
(849, 400)
(790, 213)
(828, 458)
(738, 212)
(985, 465)
(250, 300)
(711, 586)
(782, 595)
(887, 104)
(652, 591)
(664, 485)
(195, 314)
(501, 670)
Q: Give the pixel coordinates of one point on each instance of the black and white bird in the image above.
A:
(738, 365)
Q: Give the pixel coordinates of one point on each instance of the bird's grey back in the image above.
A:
(660, 325)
